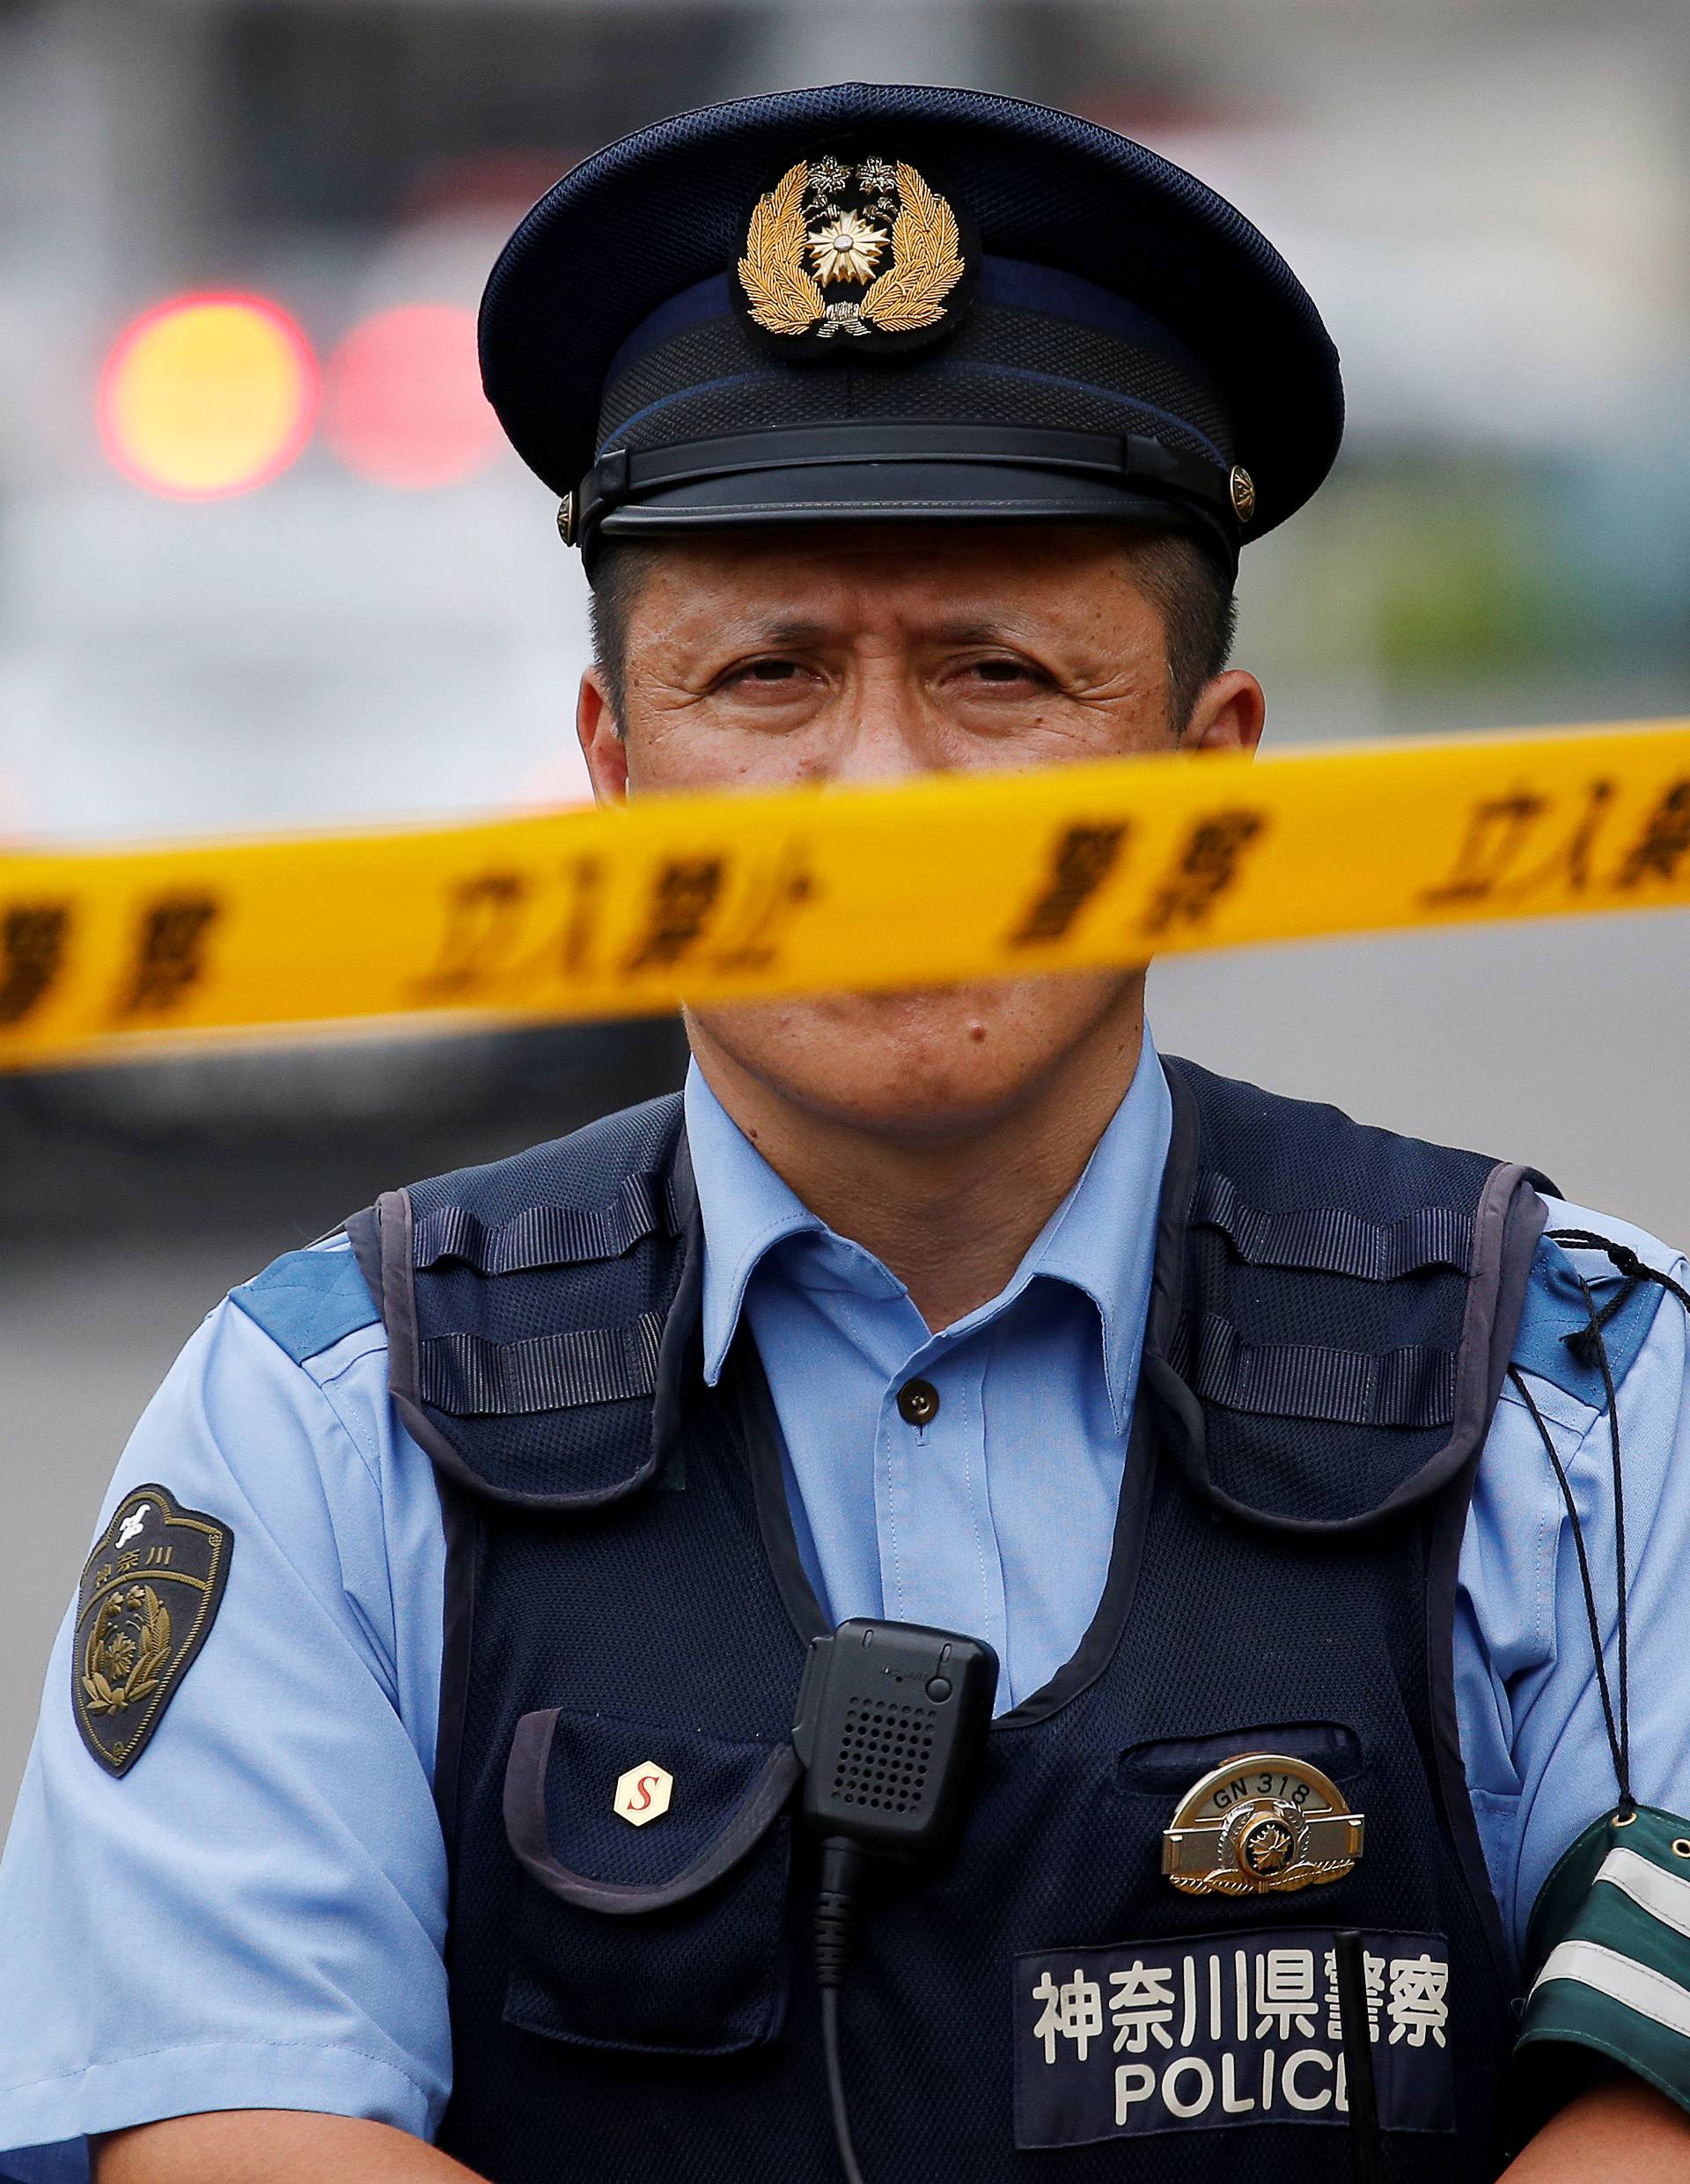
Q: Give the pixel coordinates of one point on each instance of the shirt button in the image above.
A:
(918, 1402)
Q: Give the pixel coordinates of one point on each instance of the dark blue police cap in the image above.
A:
(884, 303)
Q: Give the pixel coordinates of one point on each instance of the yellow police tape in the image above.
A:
(586, 914)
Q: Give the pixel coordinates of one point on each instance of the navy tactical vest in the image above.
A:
(1333, 1310)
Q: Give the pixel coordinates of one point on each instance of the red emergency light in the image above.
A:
(403, 404)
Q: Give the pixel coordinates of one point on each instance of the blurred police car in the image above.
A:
(315, 653)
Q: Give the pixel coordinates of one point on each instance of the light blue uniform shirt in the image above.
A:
(254, 1916)
(950, 1523)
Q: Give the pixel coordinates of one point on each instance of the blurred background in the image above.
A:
(265, 562)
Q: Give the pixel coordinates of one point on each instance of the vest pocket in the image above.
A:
(659, 1935)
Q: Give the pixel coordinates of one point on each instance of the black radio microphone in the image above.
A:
(892, 1723)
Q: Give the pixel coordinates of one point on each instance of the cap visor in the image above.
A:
(896, 492)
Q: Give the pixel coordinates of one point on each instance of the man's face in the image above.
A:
(773, 659)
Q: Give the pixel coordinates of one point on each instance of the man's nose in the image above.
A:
(884, 731)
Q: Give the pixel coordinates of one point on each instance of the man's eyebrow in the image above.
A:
(794, 630)
(982, 632)
(788, 631)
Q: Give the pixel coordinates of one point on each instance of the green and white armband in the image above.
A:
(1610, 1937)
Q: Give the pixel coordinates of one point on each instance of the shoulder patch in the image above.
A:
(1555, 1310)
(307, 1301)
(149, 1596)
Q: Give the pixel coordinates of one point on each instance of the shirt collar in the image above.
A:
(1101, 1239)
(745, 1209)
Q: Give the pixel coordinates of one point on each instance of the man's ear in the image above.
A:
(1228, 716)
(601, 739)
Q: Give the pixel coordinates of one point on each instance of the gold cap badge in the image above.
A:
(1242, 487)
(842, 251)
(1262, 1824)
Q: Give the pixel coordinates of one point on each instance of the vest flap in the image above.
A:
(621, 1818)
(539, 1311)
(1334, 1306)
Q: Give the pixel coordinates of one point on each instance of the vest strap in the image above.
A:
(1412, 1387)
(471, 1377)
(548, 1235)
(1330, 1239)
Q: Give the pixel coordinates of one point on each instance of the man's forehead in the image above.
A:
(995, 559)
(990, 587)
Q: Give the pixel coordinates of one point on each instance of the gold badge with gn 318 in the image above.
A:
(1262, 1824)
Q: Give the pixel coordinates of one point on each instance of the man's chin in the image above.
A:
(920, 1062)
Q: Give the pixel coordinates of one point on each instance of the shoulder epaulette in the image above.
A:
(1555, 1342)
(306, 1301)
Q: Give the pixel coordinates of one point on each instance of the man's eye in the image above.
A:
(765, 671)
(1006, 670)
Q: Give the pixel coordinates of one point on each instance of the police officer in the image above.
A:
(412, 1793)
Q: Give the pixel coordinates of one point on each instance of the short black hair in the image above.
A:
(1188, 587)
(1199, 609)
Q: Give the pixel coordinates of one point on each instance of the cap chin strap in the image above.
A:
(622, 478)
